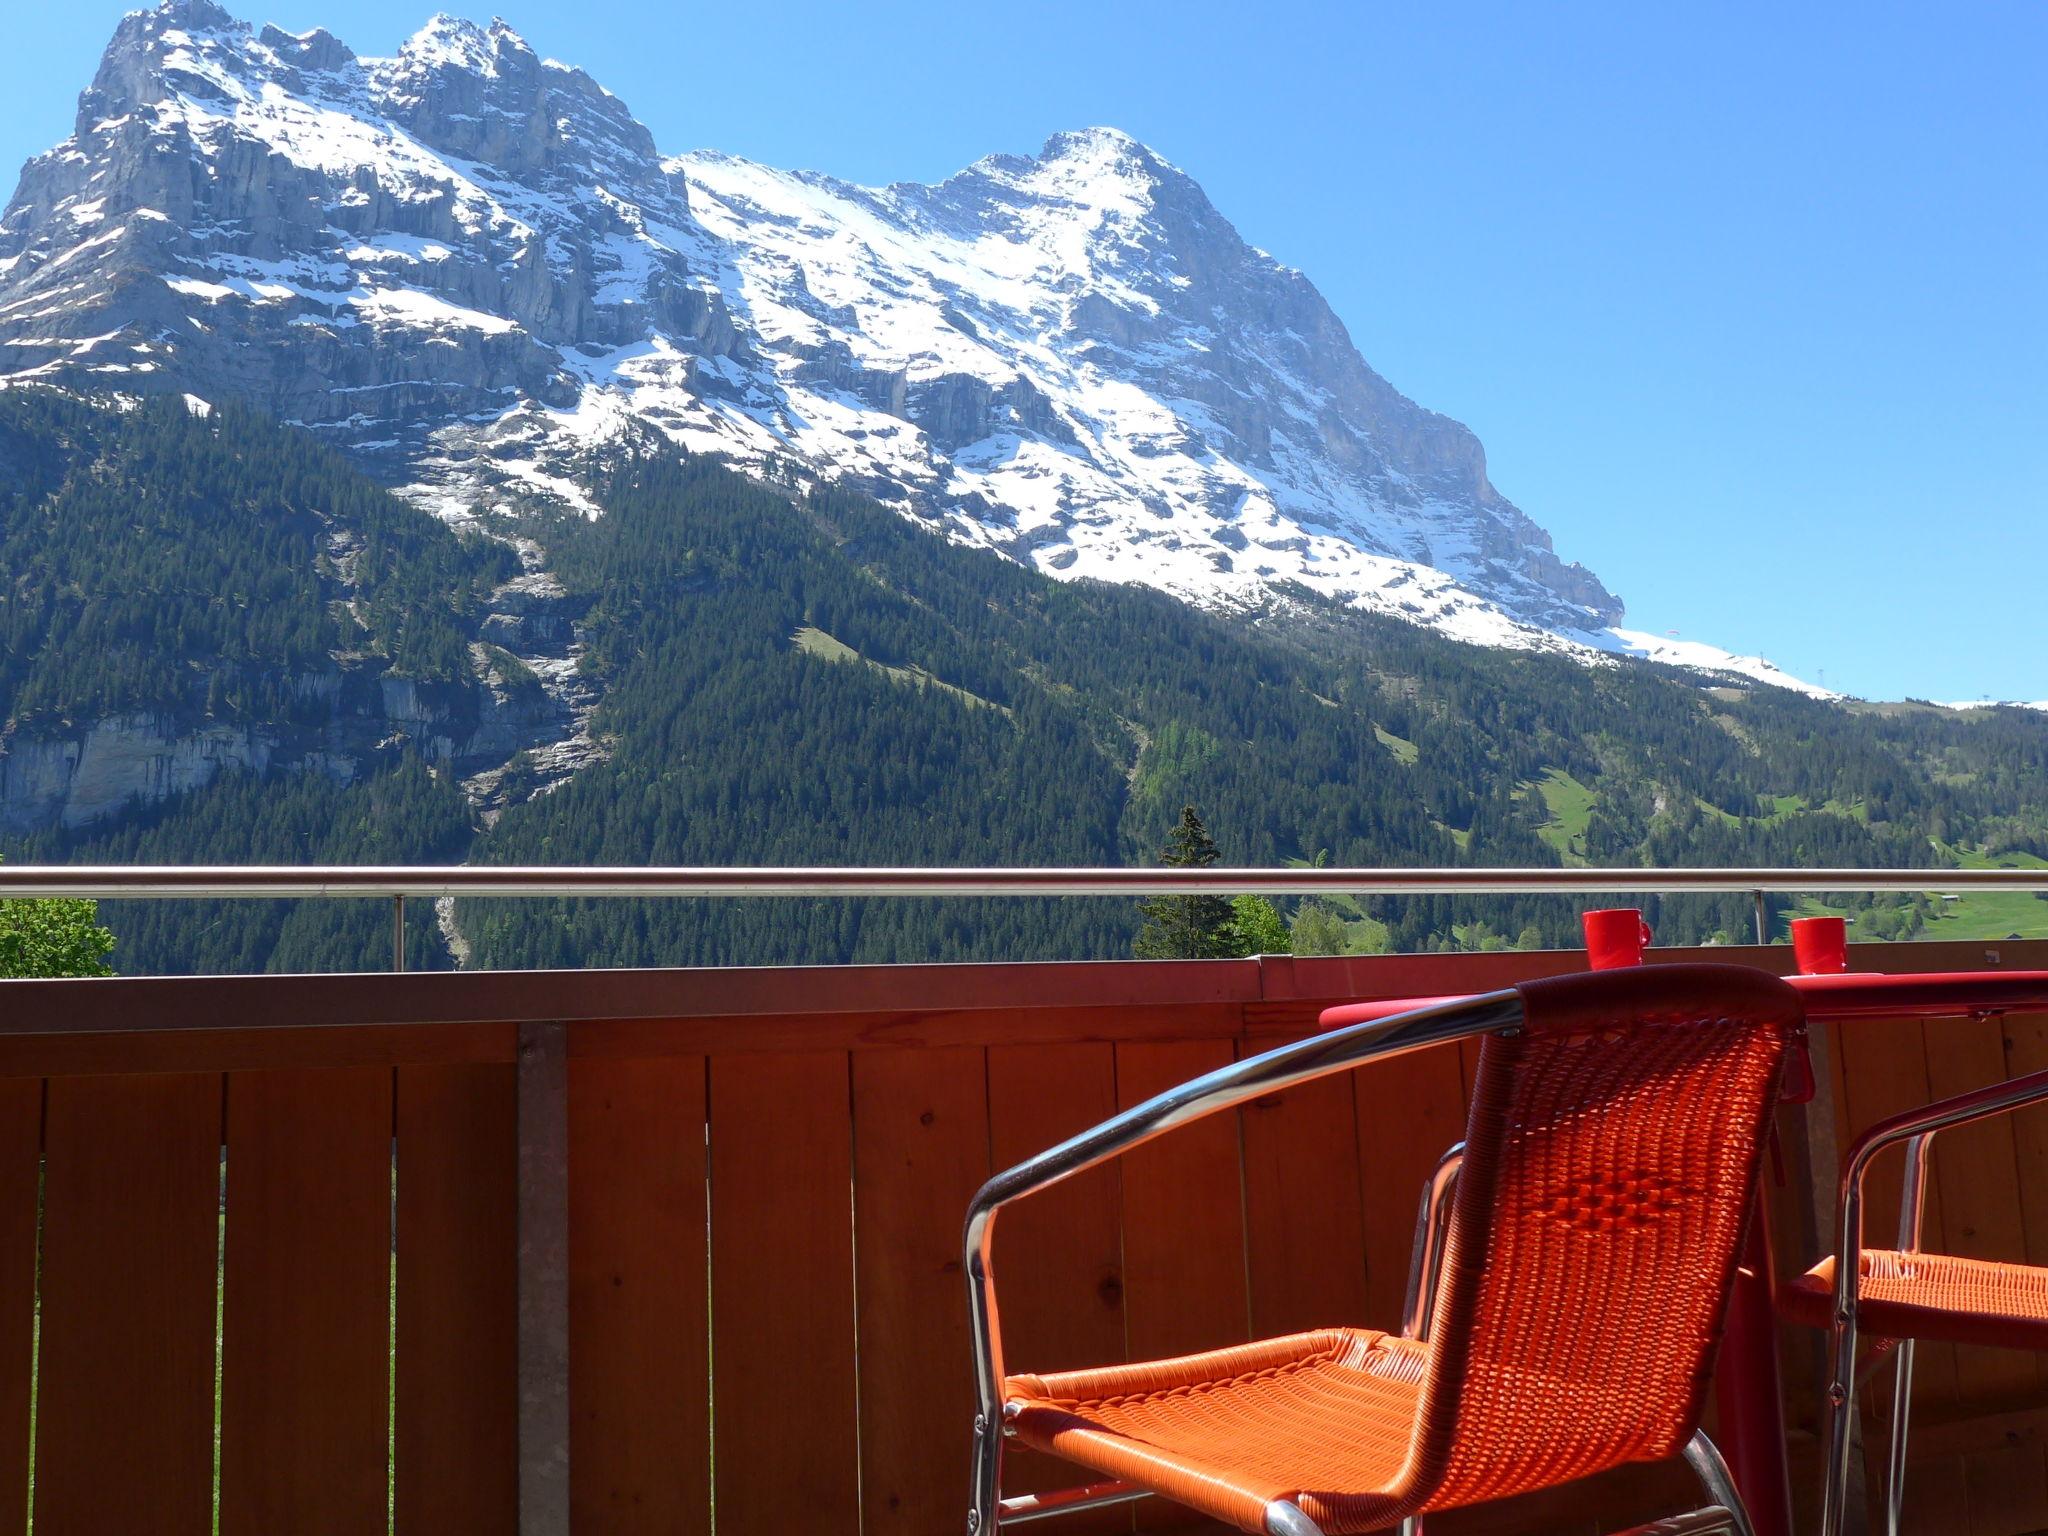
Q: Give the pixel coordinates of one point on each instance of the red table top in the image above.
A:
(1856, 995)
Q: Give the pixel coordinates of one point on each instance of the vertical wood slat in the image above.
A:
(639, 1337)
(1058, 1255)
(457, 1424)
(1990, 1212)
(920, 1150)
(1937, 1494)
(784, 1411)
(1410, 1110)
(541, 1110)
(1304, 1221)
(21, 1141)
(2007, 1489)
(1184, 1254)
(305, 1344)
(1184, 1238)
(2026, 1050)
(124, 1421)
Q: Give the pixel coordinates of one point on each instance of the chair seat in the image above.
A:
(1323, 1419)
(1931, 1296)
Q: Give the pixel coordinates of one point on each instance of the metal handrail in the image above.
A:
(431, 882)
(398, 883)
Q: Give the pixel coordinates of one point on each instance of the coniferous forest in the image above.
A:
(791, 675)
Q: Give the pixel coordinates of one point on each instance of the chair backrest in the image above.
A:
(1610, 1165)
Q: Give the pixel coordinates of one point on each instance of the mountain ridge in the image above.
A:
(471, 266)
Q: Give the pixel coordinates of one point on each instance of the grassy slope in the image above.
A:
(1971, 916)
(1405, 751)
(815, 642)
(1570, 804)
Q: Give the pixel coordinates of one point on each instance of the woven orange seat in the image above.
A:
(1931, 1296)
(1228, 1431)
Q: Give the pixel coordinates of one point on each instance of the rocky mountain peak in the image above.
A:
(470, 264)
(483, 94)
(1100, 157)
(317, 50)
(455, 42)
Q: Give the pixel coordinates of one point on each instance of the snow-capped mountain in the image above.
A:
(472, 265)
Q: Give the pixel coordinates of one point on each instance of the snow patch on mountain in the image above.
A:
(1699, 656)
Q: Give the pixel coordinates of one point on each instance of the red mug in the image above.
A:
(1615, 936)
(1820, 945)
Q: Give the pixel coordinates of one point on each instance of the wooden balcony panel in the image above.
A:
(766, 1171)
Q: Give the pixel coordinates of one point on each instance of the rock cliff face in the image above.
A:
(72, 775)
(78, 778)
(197, 594)
(379, 246)
(470, 265)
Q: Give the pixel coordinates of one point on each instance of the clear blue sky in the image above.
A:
(1749, 303)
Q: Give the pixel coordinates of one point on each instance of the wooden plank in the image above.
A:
(1937, 1496)
(1935, 1436)
(21, 1143)
(1184, 1254)
(2008, 1489)
(306, 1317)
(639, 1383)
(713, 997)
(239, 1050)
(2026, 1050)
(920, 1150)
(457, 1411)
(911, 1024)
(784, 1407)
(1304, 1221)
(125, 1003)
(1977, 1170)
(1410, 1110)
(1184, 1239)
(124, 1419)
(1058, 1255)
(541, 1094)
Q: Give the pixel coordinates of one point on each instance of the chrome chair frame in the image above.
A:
(1285, 1066)
(1917, 1128)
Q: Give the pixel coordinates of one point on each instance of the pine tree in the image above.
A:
(1187, 927)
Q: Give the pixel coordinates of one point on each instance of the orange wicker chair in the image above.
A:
(1607, 1173)
(1907, 1295)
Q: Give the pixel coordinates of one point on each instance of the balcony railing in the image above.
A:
(400, 883)
(612, 1250)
